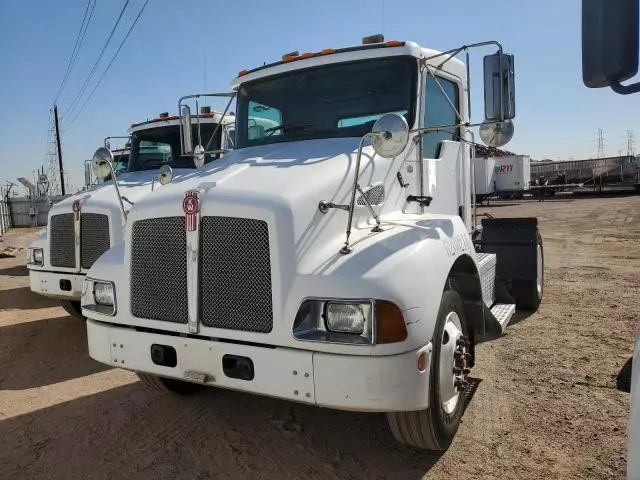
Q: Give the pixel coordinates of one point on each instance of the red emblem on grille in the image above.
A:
(191, 205)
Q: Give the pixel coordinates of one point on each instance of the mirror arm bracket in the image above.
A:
(625, 89)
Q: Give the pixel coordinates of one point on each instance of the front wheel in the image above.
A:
(73, 308)
(169, 385)
(435, 427)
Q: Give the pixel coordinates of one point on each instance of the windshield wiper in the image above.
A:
(287, 127)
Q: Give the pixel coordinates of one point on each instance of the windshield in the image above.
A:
(341, 100)
(150, 149)
(120, 162)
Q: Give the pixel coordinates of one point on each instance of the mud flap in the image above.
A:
(514, 241)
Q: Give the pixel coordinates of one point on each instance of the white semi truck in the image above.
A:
(84, 226)
(332, 258)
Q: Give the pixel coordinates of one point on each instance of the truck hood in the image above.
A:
(288, 180)
(133, 185)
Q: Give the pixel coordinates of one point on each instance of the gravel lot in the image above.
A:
(546, 404)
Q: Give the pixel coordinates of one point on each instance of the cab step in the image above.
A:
(502, 314)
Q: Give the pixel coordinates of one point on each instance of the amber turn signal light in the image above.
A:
(390, 326)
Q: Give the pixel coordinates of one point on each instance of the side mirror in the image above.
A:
(102, 163)
(391, 135)
(609, 42)
(499, 87)
(186, 130)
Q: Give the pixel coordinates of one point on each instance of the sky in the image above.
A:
(164, 58)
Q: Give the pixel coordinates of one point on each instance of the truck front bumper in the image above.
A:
(344, 382)
(64, 286)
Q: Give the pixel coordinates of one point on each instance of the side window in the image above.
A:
(438, 111)
(260, 118)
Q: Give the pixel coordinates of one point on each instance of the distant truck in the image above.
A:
(84, 226)
(503, 177)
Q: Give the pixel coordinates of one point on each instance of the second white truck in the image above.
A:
(84, 226)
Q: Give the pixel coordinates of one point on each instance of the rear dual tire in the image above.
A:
(435, 427)
(527, 294)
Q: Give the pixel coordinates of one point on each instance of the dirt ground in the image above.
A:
(545, 406)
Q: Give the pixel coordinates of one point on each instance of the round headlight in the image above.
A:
(38, 256)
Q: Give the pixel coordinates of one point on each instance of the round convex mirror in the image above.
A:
(165, 175)
(496, 134)
(392, 135)
(102, 162)
(198, 156)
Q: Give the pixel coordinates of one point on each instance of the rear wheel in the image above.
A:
(169, 385)
(435, 427)
(73, 308)
(528, 293)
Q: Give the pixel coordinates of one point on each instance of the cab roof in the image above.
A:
(295, 61)
(166, 120)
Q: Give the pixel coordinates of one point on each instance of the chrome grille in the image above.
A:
(375, 196)
(235, 274)
(159, 269)
(62, 247)
(94, 231)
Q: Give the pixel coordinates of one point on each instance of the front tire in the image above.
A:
(435, 427)
(169, 385)
(73, 308)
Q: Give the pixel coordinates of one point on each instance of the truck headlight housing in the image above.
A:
(99, 296)
(35, 256)
(350, 321)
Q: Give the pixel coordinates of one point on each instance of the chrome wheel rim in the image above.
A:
(449, 393)
(539, 270)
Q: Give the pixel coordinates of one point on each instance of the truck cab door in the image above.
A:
(444, 157)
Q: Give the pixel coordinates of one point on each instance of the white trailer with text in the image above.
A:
(84, 226)
(332, 258)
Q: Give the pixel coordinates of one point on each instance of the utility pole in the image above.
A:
(55, 114)
(630, 143)
(600, 143)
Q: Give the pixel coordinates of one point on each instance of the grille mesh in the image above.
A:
(62, 247)
(235, 274)
(159, 270)
(375, 195)
(94, 231)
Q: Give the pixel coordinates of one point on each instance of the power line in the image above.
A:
(76, 100)
(76, 47)
(110, 63)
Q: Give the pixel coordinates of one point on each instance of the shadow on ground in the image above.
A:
(17, 271)
(22, 298)
(623, 378)
(44, 352)
(132, 432)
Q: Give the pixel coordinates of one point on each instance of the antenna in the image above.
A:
(382, 14)
(204, 89)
